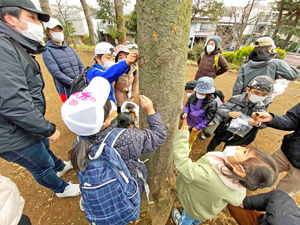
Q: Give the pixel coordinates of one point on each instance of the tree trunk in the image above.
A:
(295, 22)
(278, 19)
(45, 6)
(121, 22)
(243, 28)
(87, 14)
(163, 36)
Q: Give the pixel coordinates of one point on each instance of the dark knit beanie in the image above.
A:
(217, 41)
(262, 82)
(190, 85)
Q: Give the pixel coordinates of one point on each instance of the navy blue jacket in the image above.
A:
(62, 62)
(112, 74)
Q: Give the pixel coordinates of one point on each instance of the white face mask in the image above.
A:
(199, 96)
(255, 98)
(58, 36)
(189, 94)
(210, 48)
(34, 32)
(107, 64)
(230, 151)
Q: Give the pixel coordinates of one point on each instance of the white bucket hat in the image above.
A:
(83, 112)
(103, 48)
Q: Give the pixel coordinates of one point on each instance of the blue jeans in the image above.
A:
(185, 219)
(40, 161)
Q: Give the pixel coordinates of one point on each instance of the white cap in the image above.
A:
(52, 23)
(103, 48)
(83, 112)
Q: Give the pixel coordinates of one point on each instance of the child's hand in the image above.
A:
(234, 114)
(254, 123)
(241, 205)
(147, 104)
(262, 117)
(195, 129)
(131, 58)
(184, 116)
(186, 127)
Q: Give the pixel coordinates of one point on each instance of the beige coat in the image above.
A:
(122, 86)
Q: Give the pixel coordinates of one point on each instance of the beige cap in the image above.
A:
(264, 41)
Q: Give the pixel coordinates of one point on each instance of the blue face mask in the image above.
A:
(107, 64)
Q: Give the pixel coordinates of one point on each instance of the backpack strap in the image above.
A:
(216, 61)
(12, 42)
(109, 140)
(242, 104)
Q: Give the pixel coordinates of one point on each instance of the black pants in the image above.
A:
(24, 220)
(214, 142)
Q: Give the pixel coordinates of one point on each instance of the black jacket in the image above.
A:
(291, 142)
(280, 208)
(22, 102)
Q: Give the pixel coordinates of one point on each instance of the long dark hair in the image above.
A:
(124, 120)
(80, 152)
(261, 171)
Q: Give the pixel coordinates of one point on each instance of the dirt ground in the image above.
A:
(43, 207)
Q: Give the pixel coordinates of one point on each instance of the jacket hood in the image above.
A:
(51, 44)
(256, 64)
(30, 46)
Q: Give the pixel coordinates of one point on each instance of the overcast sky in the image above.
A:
(132, 2)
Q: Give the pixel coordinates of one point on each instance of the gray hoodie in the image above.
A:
(275, 68)
(22, 102)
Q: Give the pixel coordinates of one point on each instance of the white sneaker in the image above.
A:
(202, 136)
(81, 205)
(68, 166)
(71, 190)
(175, 215)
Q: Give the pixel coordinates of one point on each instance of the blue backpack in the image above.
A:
(110, 194)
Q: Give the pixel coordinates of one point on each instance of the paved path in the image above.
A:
(293, 60)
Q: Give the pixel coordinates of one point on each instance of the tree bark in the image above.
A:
(278, 19)
(244, 27)
(163, 34)
(45, 6)
(121, 21)
(87, 14)
(295, 22)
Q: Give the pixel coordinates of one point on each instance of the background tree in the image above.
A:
(86, 9)
(290, 20)
(113, 9)
(279, 7)
(163, 33)
(45, 6)
(208, 8)
(132, 23)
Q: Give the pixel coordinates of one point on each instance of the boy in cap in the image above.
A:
(261, 61)
(211, 63)
(105, 65)
(25, 134)
(258, 90)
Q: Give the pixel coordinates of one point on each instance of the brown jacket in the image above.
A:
(206, 67)
(122, 86)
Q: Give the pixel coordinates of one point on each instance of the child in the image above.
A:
(106, 67)
(200, 108)
(133, 109)
(126, 86)
(212, 63)
(258, 89)
(205, 187)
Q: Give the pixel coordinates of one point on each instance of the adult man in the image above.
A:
(287, 157)
(25, 134)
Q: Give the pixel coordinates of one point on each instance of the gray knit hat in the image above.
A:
(190, 85)
(262, 82)
(217, 41)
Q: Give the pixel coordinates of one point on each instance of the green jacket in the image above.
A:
(201, 192)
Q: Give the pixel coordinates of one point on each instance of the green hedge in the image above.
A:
(197, 50)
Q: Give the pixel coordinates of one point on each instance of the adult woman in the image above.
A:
(61, 60)
(262, 62)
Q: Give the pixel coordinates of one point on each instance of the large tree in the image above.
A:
(163, 28)
(279, 7)
(45, 6)
(86, 9)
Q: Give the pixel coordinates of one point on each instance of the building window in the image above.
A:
(206, 26)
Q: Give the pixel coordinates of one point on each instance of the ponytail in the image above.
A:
(79, 155)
